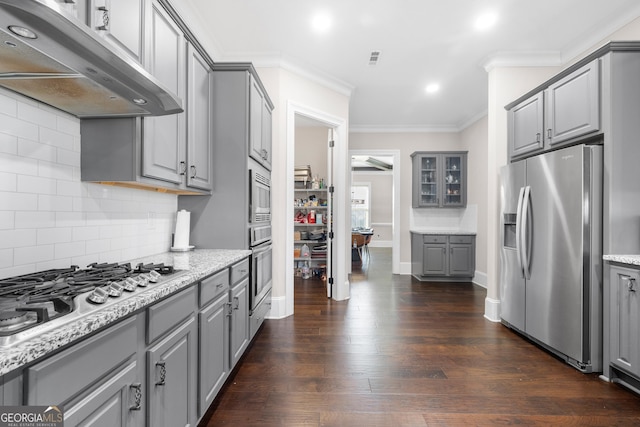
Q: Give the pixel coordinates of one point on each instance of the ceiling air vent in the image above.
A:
(374, 57)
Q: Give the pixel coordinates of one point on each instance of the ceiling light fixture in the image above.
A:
(486, 21)
(321, 22)
(432, 88)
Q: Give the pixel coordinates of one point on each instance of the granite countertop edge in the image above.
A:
(442, 231)
(623, 259)
(192, 266)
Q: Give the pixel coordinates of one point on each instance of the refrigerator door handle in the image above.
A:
(518, 231)
(524, 239)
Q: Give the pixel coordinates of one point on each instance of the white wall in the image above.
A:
(48, 218)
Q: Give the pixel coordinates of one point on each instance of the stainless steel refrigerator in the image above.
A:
(551, 255)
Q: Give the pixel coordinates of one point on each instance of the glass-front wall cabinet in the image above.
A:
(439, 179)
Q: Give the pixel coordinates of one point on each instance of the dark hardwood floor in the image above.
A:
(405, 353)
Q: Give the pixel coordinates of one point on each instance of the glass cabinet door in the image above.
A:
(453, 180)
(429, 190)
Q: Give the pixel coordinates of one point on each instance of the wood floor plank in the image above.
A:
(405, 353)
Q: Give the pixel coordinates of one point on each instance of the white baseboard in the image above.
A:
(480, 279)
(278, 308)
(405, 268)
(492, 309)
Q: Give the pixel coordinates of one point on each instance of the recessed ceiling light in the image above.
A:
(486, 21)
(321, 22)
(22, 32)
(432, 88)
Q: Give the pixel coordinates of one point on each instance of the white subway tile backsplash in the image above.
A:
(68, 157)
(48, 202)
(56, 138)
(55, 170)
(35, 184)
(36, 150)
(7, 220)
(31, 254)
(18, 128)
(47, 236)
(13, 201)
(71, 219)
(48, 217)
(8, 105)
(8, 144)
(35, 220)
(8, 181)
(85, 233)
(6, 258)
(17, 238)
(18, 165)
(39, 116)
(68, 250)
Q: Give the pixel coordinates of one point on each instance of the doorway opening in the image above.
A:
(379, 171)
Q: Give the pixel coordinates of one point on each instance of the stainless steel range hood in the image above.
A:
(65, 64)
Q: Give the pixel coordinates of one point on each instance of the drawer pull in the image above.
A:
(137, 397)
(236, 301)
(631, 284)
(163, 373)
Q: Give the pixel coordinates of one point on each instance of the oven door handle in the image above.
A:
(257, 250)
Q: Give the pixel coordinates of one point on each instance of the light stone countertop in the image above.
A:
(442, 231)
(623, 259)
(194, 266)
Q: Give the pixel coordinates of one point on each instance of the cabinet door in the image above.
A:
(573, 104)
(199, 113)
(525, 126)
(171, 377)
(434, 261)
(625, 317)
(461, 260)
(454, 193)
(122, 23)
(214, 351)
(426, 175)
(259, 126)
(163, 151)
(116, 402)
(239, 320)
(266, 134)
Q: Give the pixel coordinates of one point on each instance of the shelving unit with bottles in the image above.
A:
(439, 179)
(310, 205)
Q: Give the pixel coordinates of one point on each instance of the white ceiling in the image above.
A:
(421, 41)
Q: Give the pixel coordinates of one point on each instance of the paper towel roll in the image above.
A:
(181, 236)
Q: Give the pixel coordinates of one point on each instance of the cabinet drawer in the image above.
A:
(239, 271)
(60, 377)
(431, 238)
(167, 314)
(460, 239)
(213, 286)
(258, 315)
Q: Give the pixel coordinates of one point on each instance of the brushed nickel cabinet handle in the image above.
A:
(137, 397)
(163, 372)
(105, 19)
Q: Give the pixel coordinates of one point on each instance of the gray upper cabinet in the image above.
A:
(259, 126)
(564, 111)
(526, 126)
(573, 105)
(439, 179)
(200, 116)
(164, 137)
(121, 22)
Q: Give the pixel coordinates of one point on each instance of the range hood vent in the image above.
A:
(65, 64)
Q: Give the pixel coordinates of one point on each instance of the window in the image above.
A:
(361, 205)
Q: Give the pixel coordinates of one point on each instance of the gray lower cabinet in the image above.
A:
(239, 320)
(442, 256)
(624, 315)
(172, 332)
(98, 381)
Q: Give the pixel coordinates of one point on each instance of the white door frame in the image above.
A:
(341, 207)
(395, 221)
